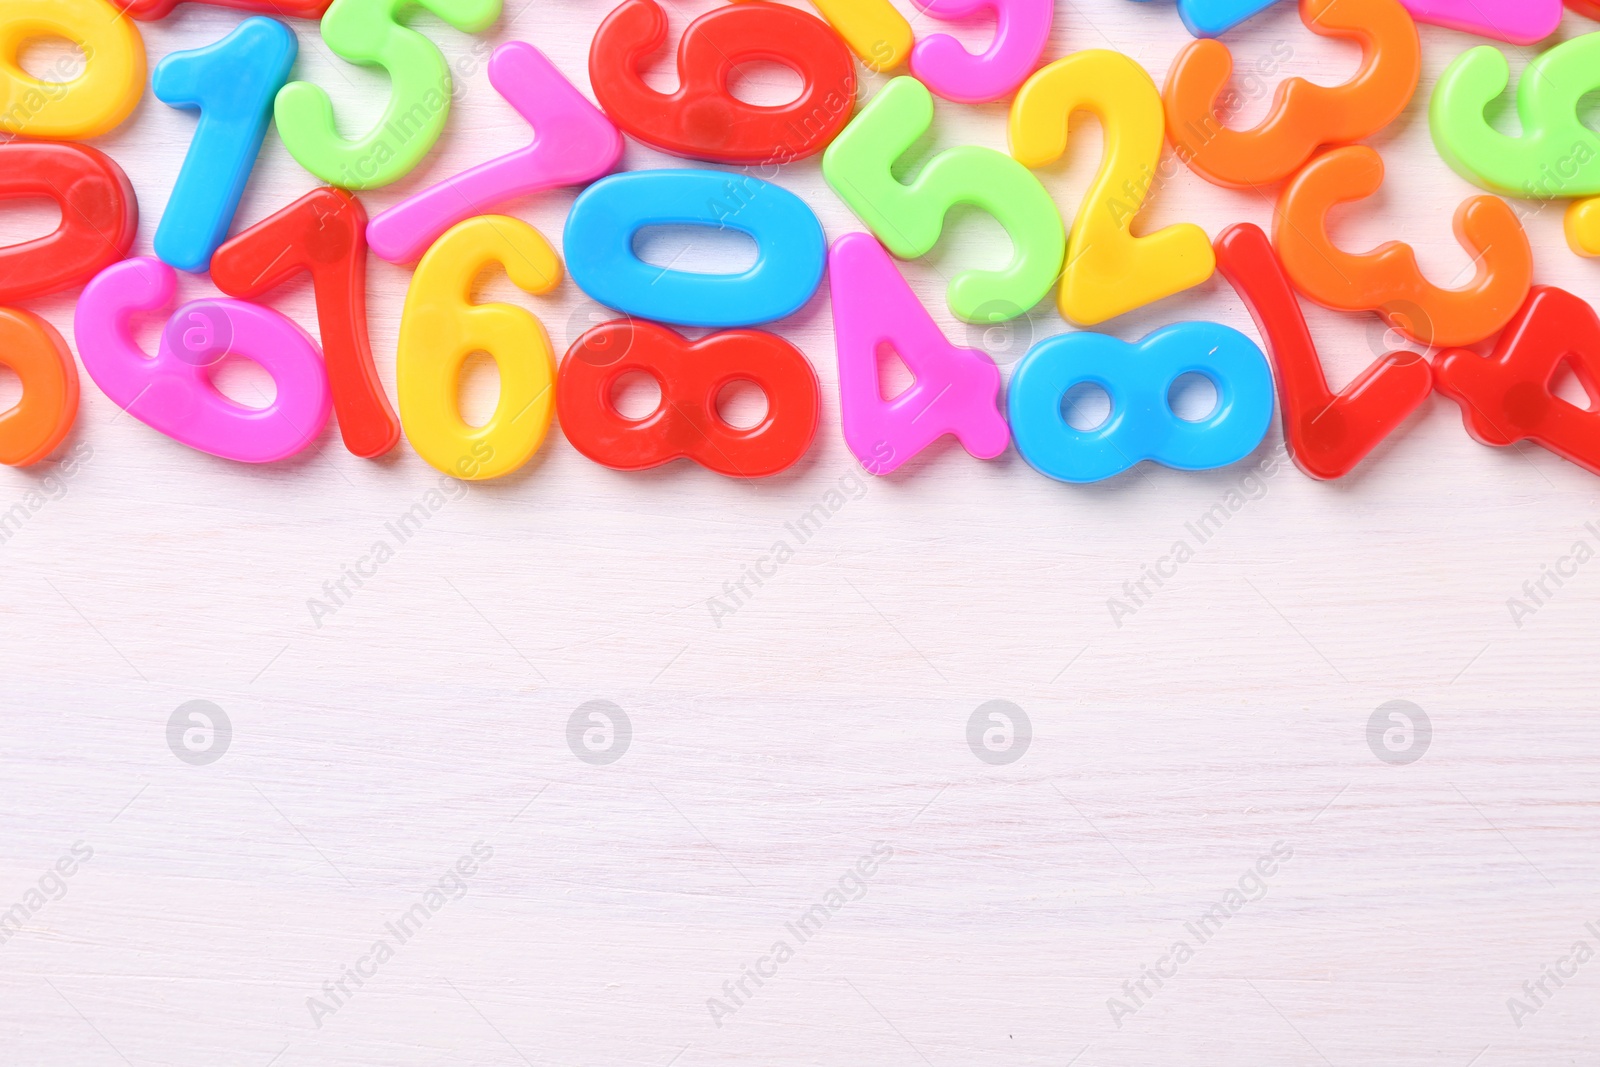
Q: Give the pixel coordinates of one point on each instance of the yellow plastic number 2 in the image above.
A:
(877, 33)
(93, 103)
(1109, 271)
(441, 326)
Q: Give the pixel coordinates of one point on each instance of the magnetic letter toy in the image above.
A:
(369, 33)
(99, 216)
(1582, 225)
(1387, 279)
(956, 390)
(573, 144)
(1506, 398)
(877, 33)
(320, 234)
(35, 352)
(1109, 271)
(173, 392)
(1022, 29)
(441, 326)
(703, 119)
(1303, 115)
(686, 424)
(1327, 435)
(1556, 156)
(908, 218)
(93, 103)
(147, 10)
(610, 213)
(231, 83)
(1138, 378)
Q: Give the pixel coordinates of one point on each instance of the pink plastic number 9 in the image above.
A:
(173, 392)
(1021, 32)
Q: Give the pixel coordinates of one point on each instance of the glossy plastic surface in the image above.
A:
(1022, 29)
(1109, 271)
(369, 33)
(1582, 226)
(1141, 424)
(1522, 22)
(1327, 434)
(909, 217)
(702, 119)
(320, 234)
(685, 424)
(173, 392)
(877, 33)
(1507, 398)
(32, 349)
(573, 144)
(956, 390)
(1213, 18)
(99, 216)
(97, 100)
(606, 217)
(146, 10)
(1387, 279)
(1303, 115)
(231, 83)
(1556, 156)
(441, 327)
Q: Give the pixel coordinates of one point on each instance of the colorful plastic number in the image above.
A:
(686, 423)
(610, 213)
(1506, 398)
(1022, 29)
(441, 327)
(93, 103)
(1582, 224)
(1109, 271)
(1213, 18)
(1327, 435)
(99, 216)
(1387, 279)
(908, 219)
(173, 392)
(702, 119)
(1557, 156)
(320, 234)
(231, 83)
(36, 354)
(1514, 21)
(877, 33)
(1586, 8)
(1141, 424)
(573, 144)
(369, 33)
(1303, 115)
(146, 10)
(956, 390)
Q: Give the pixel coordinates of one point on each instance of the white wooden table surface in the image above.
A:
(773, 749)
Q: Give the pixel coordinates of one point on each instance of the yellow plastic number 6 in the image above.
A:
(877, 33)
(441, 326)
(1109, 271)
(93, 103)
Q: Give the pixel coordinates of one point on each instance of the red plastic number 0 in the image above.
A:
(99, 216)
(686, 422)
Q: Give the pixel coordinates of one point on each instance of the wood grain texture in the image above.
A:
(774, 747)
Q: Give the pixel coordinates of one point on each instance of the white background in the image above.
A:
(829, 713)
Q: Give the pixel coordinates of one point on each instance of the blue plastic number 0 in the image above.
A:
(232, 83)
(1141, 424)
(610, 213)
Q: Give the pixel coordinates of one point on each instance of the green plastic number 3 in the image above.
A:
(368, 33)
(908, 219)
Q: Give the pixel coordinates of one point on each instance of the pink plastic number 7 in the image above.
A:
(573, 143)
(1022, 29)
(173, 392)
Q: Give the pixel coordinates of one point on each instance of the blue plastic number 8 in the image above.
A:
(1141, 424)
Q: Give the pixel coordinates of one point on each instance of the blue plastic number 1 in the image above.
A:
(232, 83)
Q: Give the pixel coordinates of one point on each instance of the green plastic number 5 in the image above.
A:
(368, 33)
(908, 219)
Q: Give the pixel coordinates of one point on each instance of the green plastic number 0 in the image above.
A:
(908, 219)
(368, 33)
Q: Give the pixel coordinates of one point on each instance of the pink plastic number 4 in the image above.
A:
(573, 143)
(1022, 29)
(956, 389)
